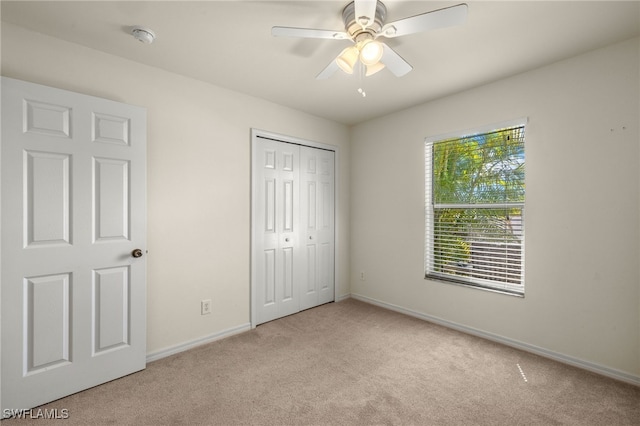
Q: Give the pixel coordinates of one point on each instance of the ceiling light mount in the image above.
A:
(143, 34)
(355, 27)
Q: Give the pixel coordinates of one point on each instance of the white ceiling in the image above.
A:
(229, 44)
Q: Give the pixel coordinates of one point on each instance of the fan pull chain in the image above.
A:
(361, 78)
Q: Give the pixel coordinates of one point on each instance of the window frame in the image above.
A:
(430, 209)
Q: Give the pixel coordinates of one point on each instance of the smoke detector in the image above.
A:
(143, 35)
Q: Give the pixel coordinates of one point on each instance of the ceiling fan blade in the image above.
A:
(308, 33)
(394, 62)
(328, 71)
(365, 11)
(441, 18)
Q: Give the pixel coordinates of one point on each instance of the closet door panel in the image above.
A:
(277, 258)
(317, 183)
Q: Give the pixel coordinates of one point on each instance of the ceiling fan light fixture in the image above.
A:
(364, 22)
(347, 59)
(371, 53)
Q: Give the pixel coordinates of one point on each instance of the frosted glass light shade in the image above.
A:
(347, 59)
(371, 53)
(372, 69)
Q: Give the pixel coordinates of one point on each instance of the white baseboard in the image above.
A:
(586, 365)
(162, 353)
(342, 297)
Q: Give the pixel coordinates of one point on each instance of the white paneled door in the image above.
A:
(317, 227)
(292, 227)
(276, 215)
(73, 258)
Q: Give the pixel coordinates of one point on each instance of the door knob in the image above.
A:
(136, 253)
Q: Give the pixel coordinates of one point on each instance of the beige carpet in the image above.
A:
(351, 363)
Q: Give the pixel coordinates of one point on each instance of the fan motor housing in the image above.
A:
(352, 26)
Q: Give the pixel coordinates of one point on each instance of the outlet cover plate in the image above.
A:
(205, 307)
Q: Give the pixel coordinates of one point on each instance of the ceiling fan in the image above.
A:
(364, 22)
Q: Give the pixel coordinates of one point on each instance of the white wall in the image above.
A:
(198, 177)
(582, 209)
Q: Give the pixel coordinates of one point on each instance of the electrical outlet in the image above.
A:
(205, 307)
(361, 275)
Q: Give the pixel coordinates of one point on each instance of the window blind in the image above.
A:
(475, 193)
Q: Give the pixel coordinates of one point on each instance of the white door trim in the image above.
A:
(255, 134)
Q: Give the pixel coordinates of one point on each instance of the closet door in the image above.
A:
(317, 216)
(276, 258)
(292, 264)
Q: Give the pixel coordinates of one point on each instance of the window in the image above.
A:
(475, 197)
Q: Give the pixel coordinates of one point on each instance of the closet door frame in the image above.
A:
(256, 136)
